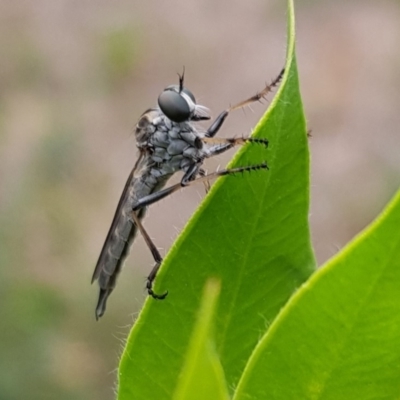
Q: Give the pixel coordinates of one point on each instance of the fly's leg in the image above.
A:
(161, 194)
(207, 185)
(190, 178)
(190, 175)
(216, 125)
(220, 145)
(157, 259)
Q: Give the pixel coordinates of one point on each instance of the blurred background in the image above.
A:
(74, 78)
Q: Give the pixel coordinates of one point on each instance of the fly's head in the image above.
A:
(179, 104)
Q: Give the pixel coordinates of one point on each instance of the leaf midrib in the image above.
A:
(255, 228)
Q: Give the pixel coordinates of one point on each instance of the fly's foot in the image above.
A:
(150, 291)
(261, 141)
(157, 296)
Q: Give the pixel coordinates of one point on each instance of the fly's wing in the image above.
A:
(117, 243)
(123, 230)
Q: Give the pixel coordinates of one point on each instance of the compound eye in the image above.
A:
(189, 93)
(175, 88)
(174, 106)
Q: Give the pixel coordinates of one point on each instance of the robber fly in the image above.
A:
(168, 140)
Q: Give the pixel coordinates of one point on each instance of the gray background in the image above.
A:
(74, 78)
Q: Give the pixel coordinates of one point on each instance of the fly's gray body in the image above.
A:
(165, 147)
(168, 140)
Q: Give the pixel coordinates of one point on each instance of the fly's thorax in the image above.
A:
(145, 127)
(175, 145)
(154, 128)
(168, 146)
(170, 141)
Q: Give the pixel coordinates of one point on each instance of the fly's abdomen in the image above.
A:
(115, 249)
(114, 252)
(116, 245)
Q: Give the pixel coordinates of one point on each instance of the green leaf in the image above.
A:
(339, 336)
(252, 234)
(202, 376)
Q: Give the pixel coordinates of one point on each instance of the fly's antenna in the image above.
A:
(181, 79)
